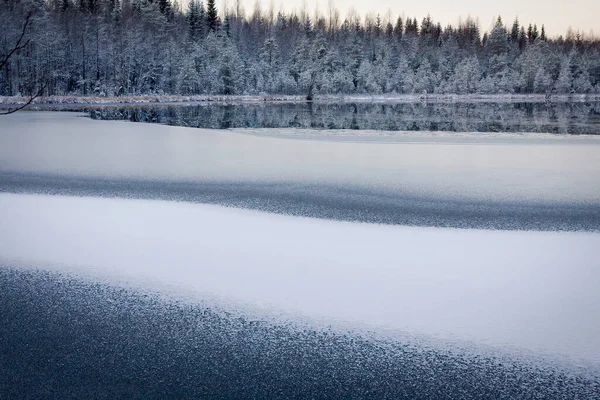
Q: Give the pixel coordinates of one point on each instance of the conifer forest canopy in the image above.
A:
(130, 47)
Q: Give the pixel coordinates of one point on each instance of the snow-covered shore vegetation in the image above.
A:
(7, 101)
(155, 49)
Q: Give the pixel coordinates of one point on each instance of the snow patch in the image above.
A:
(530, 290)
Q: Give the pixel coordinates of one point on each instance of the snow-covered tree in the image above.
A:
(466, 76)
(119, 47)
(564, 83)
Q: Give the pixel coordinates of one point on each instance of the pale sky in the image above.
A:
(556, 15)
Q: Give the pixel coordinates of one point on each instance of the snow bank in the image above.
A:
(530, 290)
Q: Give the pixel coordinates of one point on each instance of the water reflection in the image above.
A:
(571, 118)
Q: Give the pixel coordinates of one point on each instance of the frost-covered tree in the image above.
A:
(466, 76)
(424, 79)
(564, 83)
(497, 42)
(196, 20)
(542, 81)
(129, 47)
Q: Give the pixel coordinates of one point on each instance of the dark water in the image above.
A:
(560, 118)
(66, 338)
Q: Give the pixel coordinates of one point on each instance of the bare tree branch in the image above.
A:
(31, 99)
(18, 46)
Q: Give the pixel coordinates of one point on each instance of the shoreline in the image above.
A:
(7, 102)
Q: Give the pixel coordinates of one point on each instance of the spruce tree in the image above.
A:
(389, 29)
(378, 25)
(165, 7)
(195, 21)
(564, 82)
(543, 34)
(212, 16)
(227, 26)
(399, 28)
(426, 26)
(514, 32)
(522, 38)
(308, 27)
(496, 43)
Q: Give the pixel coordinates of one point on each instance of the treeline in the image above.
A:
(129, 47)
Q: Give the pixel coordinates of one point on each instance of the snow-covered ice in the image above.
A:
(530, 290)
(536, 291)
(540, 170)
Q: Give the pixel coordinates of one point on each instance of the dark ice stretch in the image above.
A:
(326, 201)
(66, 338)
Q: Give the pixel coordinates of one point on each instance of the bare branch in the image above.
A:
(18, 46)
(31, 99)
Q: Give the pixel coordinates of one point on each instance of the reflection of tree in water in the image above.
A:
(354, 122)
(575, 118)
(228, 113)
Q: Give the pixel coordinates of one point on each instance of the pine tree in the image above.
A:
(378, 26)
(496, 43)
(165, 7)
(514, 32)
(389, 29)
(212, 16)
(399, 28)
(269, 51)
(195, 20)
(426, 26)
(466, 76)
(522, 38)
(564, 82)
(140, 48)
(227, 25)
(542, 81)
(308, 28)
(424, 78)
(412, 28)
(543, 34)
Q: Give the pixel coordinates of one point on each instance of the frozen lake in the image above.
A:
(96, 265)
(522, 182)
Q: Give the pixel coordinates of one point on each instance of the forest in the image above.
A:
(135, 47)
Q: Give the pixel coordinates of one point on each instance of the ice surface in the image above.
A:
(476, 168)
(531, 290)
